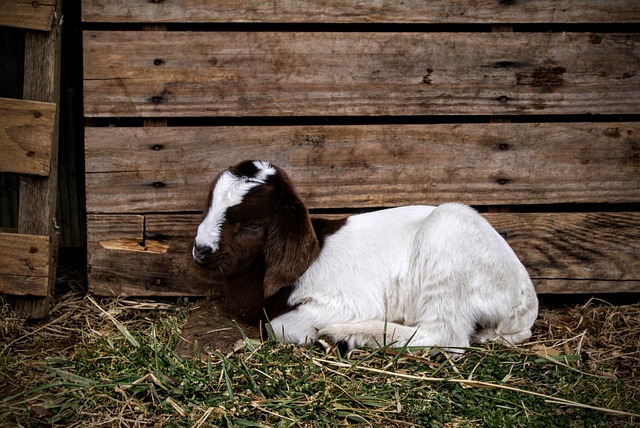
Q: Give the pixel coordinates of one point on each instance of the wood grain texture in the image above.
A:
(41, 83)
(32, 15)
(170, 169)
(563, 252)
(37, 195)
(350, 11)
(24, 264)
(174, 74)
(26, 136)
(578, 246)
(589, 287)
(171, 272)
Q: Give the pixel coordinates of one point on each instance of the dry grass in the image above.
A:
(110, 362)
(606, 336)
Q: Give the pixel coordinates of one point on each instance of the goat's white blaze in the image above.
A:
(228, 191)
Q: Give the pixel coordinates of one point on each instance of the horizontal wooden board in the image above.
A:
(24, 264)
(350, 11)
(170, 169)
(563, 252)
(26, 136)
(145, 271)
(585, 246)
(32, 15)
(177, 74)
(572, 286)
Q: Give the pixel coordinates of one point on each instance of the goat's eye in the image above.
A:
(253, 225)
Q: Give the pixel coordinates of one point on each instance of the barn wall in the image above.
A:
(528, 113)
(70, 194)
(29, 112)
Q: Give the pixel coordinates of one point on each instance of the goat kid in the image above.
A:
(437, 277)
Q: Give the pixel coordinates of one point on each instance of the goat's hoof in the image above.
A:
(343, 348)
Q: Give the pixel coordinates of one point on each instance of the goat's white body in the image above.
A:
(418, 275)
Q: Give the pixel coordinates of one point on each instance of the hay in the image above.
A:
(111, 362)
(605, 336)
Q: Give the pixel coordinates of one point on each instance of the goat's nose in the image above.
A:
(200, 251)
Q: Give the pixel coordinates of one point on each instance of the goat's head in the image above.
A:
(255, 220)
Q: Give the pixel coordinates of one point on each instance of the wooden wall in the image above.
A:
(29, 154)
(70, 219)
(528, 111)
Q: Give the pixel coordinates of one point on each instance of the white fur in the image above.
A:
(417, 275)
(229, 191)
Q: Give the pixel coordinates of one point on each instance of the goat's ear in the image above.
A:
(291, 242)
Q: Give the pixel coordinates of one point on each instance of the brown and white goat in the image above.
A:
(438, 277)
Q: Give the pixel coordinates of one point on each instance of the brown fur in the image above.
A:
(291, 240)
(267, 242)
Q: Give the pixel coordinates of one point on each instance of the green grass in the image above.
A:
(105, 363)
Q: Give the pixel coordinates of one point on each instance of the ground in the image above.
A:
(126, 362)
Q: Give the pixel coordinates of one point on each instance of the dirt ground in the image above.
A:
(605, 333)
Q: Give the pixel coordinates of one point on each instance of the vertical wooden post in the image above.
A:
(37, 203)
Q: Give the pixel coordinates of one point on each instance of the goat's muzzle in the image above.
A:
(206, 257)
(203, 254)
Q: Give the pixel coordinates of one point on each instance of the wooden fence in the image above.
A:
(527, 111)
(29, 147)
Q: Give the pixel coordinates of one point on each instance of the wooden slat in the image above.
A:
(158, 74)
(581, 246)
(26, 135)
(351, 11)
(170, 169)
(563, 252)
(161, 265)
(32, 15)
(572, 286)
(37, 195)
(24, 264)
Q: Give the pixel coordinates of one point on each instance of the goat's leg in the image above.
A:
(376, 333)
(293, 327)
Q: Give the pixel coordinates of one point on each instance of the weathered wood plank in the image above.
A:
(26, 135)
(170, 169)
(341, 11)
(153, 259)
(32, 15)
(159, 74)
(37, 209)
(24, 264)
(585, 246)
(563, 252)
(571, 286)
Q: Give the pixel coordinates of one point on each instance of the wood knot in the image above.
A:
(426, 79)
(612, 132)
(161, 97)
(542, 77)
(506, 64)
